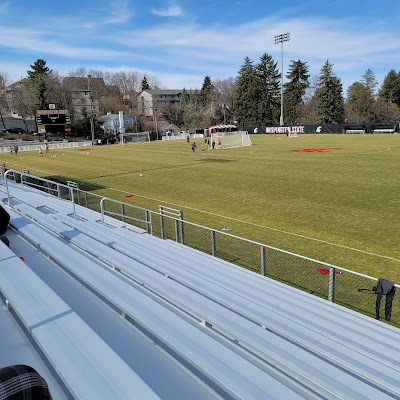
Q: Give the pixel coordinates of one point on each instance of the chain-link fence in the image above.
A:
(342, 286)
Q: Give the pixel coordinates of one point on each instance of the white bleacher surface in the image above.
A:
(107, 312)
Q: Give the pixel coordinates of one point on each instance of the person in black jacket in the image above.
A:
(384, 287)
(4, 220)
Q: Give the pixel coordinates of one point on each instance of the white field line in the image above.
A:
(261, 226)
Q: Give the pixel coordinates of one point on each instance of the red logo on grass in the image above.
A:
(317, 150)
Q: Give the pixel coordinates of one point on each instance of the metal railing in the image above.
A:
(35, 146)
(336, 284)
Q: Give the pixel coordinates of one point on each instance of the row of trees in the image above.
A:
(254, 98)
(251, 98)
(309, 100)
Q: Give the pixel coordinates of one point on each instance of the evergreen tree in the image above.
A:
(390, 89)
(39, 68)
(268, 88)
(360, 101)
(145, 84)
(328, 97)
(37, 83)
(369, 81)
(246, 95)
(206, 91)
(295, 90)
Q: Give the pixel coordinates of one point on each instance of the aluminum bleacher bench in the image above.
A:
(41, 200)
(227, 369)
(231, 312)
(244, 306)
(329, 370)
(88, 367)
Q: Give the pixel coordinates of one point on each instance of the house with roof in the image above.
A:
(111, 123)
(85, 93)
(158, 101)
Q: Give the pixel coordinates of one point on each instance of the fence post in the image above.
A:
(123, 211)
(176, 231)
(182, 228)
(149, 226)
(213, 243)
(263, 261)
(162, 222)
(332, 275)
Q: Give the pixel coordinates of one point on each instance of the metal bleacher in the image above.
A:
(105, 311)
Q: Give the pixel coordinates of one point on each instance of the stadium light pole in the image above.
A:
(284, 37)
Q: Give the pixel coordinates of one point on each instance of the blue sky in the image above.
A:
(183, 41)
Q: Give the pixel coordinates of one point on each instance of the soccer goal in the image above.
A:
(230, 139)
(137, 137)
(292, 134)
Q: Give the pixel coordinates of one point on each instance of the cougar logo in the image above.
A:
(319, 129)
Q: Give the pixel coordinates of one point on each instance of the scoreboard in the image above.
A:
(54, 120)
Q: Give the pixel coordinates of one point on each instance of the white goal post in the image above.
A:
(292, 134)
(137, 137)
(230, 139)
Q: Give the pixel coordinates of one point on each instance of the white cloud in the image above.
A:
(171, 11)
(33, 42)
(120, 12)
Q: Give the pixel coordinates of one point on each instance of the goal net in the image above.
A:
(137, 137)
(230, 139)
(292, 134)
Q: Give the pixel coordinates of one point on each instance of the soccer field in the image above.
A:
(335, 198)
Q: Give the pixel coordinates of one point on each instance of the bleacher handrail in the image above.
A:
(180, 226)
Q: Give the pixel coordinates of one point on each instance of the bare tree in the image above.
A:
(4, 109)
(112, 103)
(21, 103)
(386, 111)
(224, 89)
(4, 79)
(126, 81)
(154, 82)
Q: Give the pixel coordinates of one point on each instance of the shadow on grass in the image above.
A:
(86, 186)
(216, 160)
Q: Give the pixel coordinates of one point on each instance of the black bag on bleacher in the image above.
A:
(4, 220)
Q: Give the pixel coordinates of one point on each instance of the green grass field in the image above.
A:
(339, 204)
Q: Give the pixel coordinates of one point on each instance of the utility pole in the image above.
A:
(91, 107)
(284, 37)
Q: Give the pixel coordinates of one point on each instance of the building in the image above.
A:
(85, 93)
(158, 102)
(111, 123)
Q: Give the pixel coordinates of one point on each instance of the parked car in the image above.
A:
(13, 130)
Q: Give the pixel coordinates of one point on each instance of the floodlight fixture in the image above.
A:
(283, 37)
